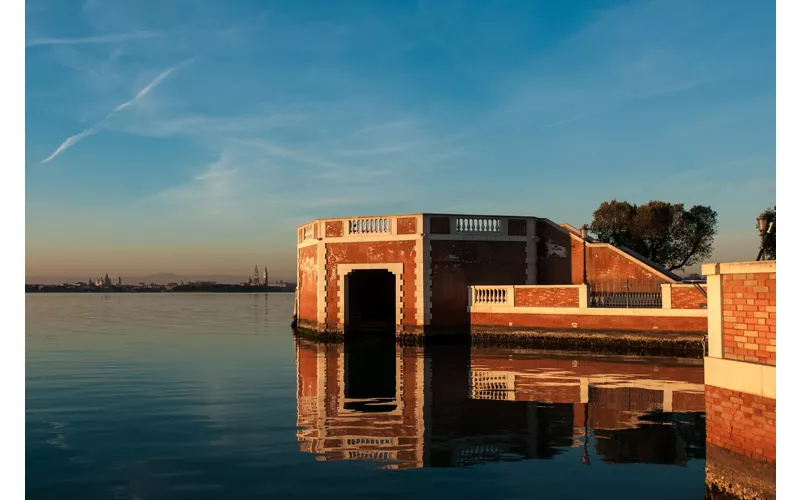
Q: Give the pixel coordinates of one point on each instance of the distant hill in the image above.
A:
(158, 278)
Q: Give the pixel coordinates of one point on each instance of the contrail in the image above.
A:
(150, 86)
(96, 128)
(138, 35)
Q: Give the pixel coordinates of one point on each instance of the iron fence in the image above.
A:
(625, 294)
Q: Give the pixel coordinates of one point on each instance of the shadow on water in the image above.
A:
(454, 406)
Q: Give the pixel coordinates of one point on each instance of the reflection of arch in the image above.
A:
(344, 270)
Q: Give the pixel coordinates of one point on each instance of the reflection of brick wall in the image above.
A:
(546, 297)
(687, 297)
(685, 402)
(741, 422)
(680, 373)
(749, 317)
(590, 322)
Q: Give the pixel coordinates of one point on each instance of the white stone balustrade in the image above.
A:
(493, 295)
(478, 225)
(370, 226)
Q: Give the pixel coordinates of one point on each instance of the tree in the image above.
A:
(107, 281)
(119, 280)
(666, 234)
(770, 246)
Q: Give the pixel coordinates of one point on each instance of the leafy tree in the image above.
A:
(770, 246)
(665, 233)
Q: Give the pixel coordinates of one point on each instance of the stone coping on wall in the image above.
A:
(589, 311)
(763, 266)
(741, 376)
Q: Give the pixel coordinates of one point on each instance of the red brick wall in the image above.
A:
(406, 225)
(688, 297)
(591, 322)
(741, 422)
(307, 285)
(456, 265)
(334, 229)
(546, 297)
(371, 252)
(749, 317)
(604, 264)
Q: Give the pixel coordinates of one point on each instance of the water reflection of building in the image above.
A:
(415, 407)
(355, 403)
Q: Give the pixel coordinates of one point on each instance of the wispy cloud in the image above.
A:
(72, 140)
(121, 37)
(150, 86)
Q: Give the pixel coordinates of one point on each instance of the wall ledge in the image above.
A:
(762, 266)
(741, 376)
(590, 311)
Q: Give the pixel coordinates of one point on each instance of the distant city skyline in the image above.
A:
(157, 278)
(195, 138)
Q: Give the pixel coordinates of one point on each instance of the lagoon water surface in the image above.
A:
(161, 396)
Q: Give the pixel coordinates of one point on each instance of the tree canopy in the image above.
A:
(663, 232)
(770, 246)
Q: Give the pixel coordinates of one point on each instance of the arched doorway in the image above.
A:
(370, 301)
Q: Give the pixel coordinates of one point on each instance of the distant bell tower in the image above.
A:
(256, 277)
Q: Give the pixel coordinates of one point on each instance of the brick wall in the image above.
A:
(688, 297)
(406, 225)
(368, 253)
(590, 322)
(741, 422)
(457, 265)
(604, 264)
(334, 229)
(307, 286)
(749, 317)
(545, 296)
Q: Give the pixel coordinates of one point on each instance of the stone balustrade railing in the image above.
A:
(375, 225)
(477, 224)
(492, 295)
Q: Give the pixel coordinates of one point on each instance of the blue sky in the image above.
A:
(203, 133)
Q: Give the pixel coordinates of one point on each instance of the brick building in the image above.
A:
(740, 377)
(413, 273)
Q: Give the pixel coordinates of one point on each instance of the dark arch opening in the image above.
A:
(370, 301)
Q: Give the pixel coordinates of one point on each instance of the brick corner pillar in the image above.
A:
(740, 377)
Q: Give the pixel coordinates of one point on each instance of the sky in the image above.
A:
(195, 136)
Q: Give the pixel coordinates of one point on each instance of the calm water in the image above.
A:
(210, 396)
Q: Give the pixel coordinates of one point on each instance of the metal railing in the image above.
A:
(625, 294)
